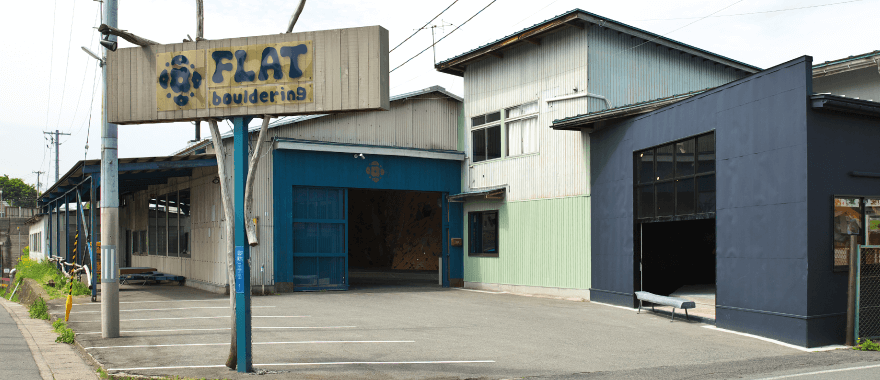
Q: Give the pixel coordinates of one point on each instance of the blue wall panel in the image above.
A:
(760, 123)
(327, 169)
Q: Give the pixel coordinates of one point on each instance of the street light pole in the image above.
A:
(109, 202)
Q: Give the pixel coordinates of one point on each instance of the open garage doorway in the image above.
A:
(395, 238)
(678, 260)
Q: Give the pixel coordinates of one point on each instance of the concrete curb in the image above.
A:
(56, 361)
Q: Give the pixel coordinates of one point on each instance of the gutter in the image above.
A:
(580, 95)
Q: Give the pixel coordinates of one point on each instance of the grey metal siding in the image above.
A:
(862, 83)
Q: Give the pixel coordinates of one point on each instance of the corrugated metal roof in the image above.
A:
(847, 59)
(290, 120)
(605, 21)
(624, 111)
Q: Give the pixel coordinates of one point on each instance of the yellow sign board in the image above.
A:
(253, 75)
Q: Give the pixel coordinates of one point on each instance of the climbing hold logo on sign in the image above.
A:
(375, 171)
(181, 84)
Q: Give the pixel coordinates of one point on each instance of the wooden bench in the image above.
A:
(676, 303)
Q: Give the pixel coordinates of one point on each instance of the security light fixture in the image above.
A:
(93, 55)
(360, 155)
(109, 45)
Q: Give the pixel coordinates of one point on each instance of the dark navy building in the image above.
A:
(736, 194)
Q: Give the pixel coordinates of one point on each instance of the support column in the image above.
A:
(66, 230)
(242, 250)
(77, 252)
(93, 258)
(48, 237)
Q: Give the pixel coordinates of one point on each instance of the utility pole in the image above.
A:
(38, 180)
(109, 201)
(57, 143)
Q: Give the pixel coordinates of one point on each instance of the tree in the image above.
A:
(17, 193)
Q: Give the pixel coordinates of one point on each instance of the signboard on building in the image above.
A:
(304, 73)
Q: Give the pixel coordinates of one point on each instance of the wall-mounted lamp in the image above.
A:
(360, 155)
(109, 45)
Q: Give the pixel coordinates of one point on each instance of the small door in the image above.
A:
(320, 238)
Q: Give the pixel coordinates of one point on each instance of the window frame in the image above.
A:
(863, 230)
(472, 232)
(506, 127)
(484, 127)
(673, 180)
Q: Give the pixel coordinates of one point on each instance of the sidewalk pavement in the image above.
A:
(57, 361)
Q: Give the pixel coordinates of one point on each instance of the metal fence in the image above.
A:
(867, 318)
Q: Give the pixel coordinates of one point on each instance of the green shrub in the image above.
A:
(66, 335)
(866, 345)
(39, 310)
(58, 324)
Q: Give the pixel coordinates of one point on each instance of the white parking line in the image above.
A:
(480, 291)
(821, 372)
(171, 308)
(254, 343)
(227, 328)
(308, 364)
(214, 317)
(208, 300)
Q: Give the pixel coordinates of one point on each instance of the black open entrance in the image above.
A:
(395, 238)
(678, 259)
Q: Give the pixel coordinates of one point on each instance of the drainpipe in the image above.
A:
(580, 95)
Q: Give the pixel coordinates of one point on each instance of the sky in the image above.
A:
(51, 84)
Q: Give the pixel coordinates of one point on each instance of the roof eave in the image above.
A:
(580, 19)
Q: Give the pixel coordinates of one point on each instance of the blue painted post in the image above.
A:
(92, 257)
(242, 251)
(49, 247)
(446, 248)
(66, 230)
(78, 258)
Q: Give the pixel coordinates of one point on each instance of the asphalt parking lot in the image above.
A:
(424, 332)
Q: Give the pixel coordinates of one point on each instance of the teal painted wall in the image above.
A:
(542, 242)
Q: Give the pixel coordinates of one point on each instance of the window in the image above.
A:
(169, 226)
(485, 140)
(522, 129)
(676, 179)
(854, 216)
(483, 233)
(36, 242)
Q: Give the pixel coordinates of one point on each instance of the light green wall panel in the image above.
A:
(542, 242)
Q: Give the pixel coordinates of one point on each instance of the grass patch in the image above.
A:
(39, 310)
(866, 345)
(65, 334)
(43, 272)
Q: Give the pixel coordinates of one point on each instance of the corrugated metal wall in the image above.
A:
(542, 243)
(525, 74)
(595, 60)
(862, 83)
(428, 121)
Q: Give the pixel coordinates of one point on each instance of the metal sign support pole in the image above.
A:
(242, 251)
(109, 204)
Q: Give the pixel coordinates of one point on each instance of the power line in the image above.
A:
(83, 85)
(426, 24)
(444, 37)
(754, 13)
(51, 59)
(66, 63)
(682, 27)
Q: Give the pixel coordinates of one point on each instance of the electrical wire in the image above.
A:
(83, 85)
(754, 13)
(444, 37)
(680, 28)
(66, 64)
(51, 59)
(423, 27)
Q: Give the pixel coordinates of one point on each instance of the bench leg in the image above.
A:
(673, 315)
(640, 307)
(686, 315)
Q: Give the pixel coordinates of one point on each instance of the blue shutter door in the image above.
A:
(320, 238)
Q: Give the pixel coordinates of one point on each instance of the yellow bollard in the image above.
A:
(69, 303)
